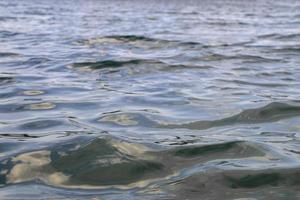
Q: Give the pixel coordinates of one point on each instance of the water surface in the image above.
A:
(153, 99)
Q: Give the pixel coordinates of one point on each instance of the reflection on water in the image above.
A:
(149, 99)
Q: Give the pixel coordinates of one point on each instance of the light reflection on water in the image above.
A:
(149, 100)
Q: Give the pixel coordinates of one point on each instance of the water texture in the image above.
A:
(141, 99)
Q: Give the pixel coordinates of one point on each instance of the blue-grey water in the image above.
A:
(169, 99)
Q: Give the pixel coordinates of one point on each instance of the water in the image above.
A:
(153, 99)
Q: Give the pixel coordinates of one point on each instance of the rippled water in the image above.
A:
(153, 99)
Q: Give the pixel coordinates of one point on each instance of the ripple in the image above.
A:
(24, 135)
(245, 58)
(127, 119)
(267, 84)
(40, 106)
(40, 124)
(122, 119)
(33, 92)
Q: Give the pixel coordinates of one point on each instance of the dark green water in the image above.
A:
(151, 100)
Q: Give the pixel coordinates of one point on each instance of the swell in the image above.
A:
(270, 113)
(106, 162)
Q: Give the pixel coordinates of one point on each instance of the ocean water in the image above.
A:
(140, 99)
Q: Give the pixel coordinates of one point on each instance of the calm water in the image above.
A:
(153, 99)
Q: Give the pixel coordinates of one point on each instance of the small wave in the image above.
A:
(132, 67)
(7, 34)
(245, 58)
(277, 36)
(18, 136)
(5, 80)
(287, 49)
(39, 106)
(40, 124)
(126, 119)
(270, 113)
(8, 54)
(7, 18)
(265, 184)
(108, 63)
(128, 38)
(135, 39)
(268, 84)
(198, 151)
(22, 107)
(289, 36)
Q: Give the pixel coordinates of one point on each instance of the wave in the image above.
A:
(277, 36)
(287, 49)
(5, 80)
(101, 162)
(267, 84)
(133, 66)
(270, 113)
(244, 57)
(109, 63)
(253, 184)
(8, 54)
(8, 34)
(135, 39)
